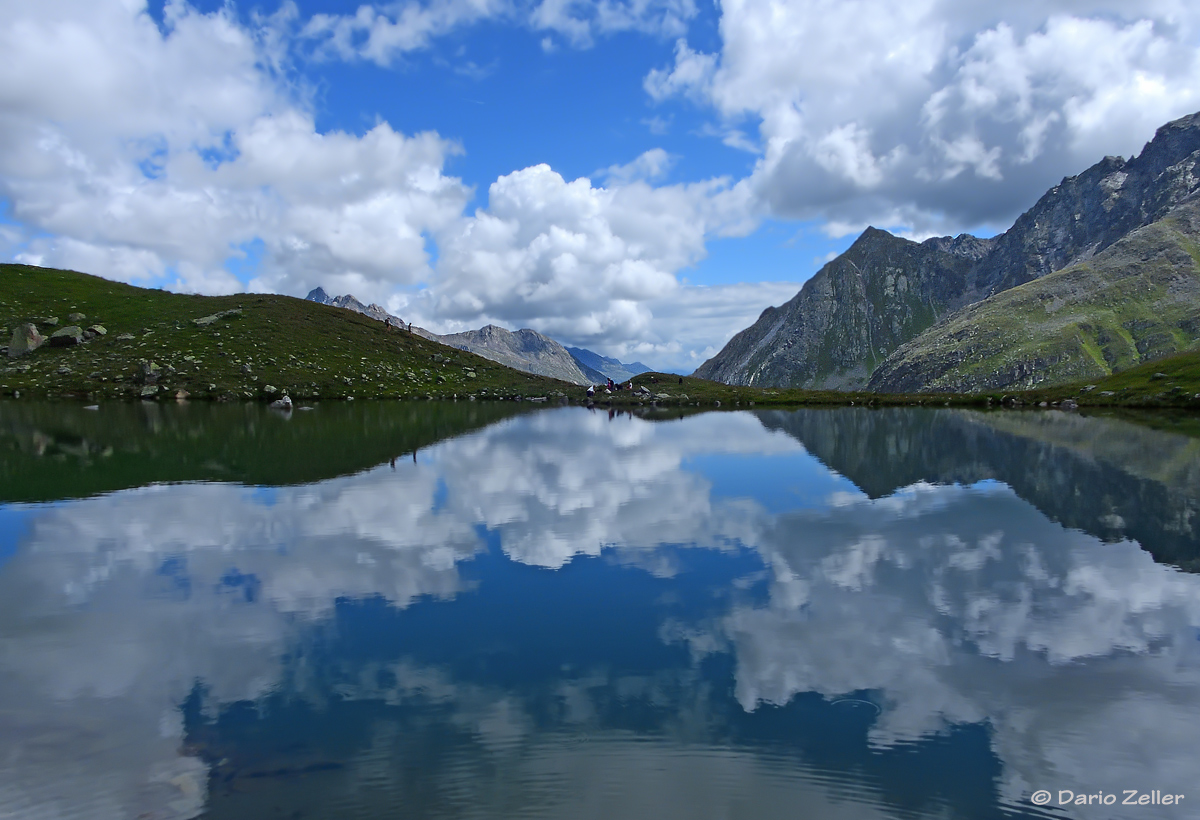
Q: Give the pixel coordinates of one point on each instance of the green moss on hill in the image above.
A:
(302, 348)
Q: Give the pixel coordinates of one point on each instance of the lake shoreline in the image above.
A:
(151, 345)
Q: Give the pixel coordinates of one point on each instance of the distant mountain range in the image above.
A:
(525, 350)
(1102, 273)
(350, 303)
(599, 368)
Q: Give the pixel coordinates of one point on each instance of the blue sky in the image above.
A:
(640, 177)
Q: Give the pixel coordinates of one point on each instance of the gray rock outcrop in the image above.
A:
(205, 321)
(25, 340)
(67, 336)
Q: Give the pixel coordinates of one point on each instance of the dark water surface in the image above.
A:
(452, 610)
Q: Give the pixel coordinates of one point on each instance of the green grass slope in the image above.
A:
(302, 348)
(1136, 302)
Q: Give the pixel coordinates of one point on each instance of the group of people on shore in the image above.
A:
(610, 386)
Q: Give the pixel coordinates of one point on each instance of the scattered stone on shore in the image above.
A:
(25, 340)
(149, 391)
(76, 318)
(148, 372)
(67, 336)
(270, 389)
(49, 321)
(125, 337)
(1069, 404)
(94, 331)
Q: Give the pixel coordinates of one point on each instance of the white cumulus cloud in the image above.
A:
(932, 115)
(136, 152)
(578, 262)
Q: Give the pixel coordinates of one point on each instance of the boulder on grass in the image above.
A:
(25, 339)
(69, 335)
(148, 372)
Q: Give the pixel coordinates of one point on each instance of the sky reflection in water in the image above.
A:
(564, 615)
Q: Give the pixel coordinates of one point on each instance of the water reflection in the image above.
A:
(566, 614)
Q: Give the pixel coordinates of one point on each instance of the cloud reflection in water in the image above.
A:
(945, 605)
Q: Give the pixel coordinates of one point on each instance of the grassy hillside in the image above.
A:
(313, 351)
(304, 348)
(1136, 302)
(1173, 381)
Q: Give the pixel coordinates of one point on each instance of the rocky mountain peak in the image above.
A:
(884, 290)
(524, 349)
(348, 302)
(964, 245)
(1172, 142)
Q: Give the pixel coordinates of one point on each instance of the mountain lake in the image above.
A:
(478, 610)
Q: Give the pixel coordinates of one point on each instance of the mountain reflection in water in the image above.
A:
(815, 613)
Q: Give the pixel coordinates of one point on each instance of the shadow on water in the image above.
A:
(51, 451)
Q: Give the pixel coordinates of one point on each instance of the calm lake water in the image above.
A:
(452, 610)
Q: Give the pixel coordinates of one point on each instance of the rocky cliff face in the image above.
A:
(1136, 301)
(845, 321)
(855, 311)
(1085, 214)
(525, 350)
